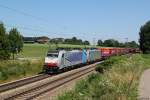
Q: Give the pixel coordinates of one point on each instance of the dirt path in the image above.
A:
(144, 86)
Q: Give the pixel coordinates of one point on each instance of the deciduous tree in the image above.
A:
(16, 41)
(100, 43)
(145, 38)
(4, 43)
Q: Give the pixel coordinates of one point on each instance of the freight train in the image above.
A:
(56, 61)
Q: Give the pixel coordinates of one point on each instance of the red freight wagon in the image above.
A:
(113, 51)
(105, 52)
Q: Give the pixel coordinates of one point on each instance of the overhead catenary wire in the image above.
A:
(23, 13)
(45, 21)
(34, 17)
(36, 30)
(27, 15)
(27, 28)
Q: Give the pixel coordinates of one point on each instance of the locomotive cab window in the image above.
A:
(62, 55)
(52, 55)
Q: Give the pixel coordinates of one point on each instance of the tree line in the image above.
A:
(115, 43)
(73, 40)
(11, 42)
(76, 41)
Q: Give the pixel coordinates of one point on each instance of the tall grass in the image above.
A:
(11, 70)
(119, 80)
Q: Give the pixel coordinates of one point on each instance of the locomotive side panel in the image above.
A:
(72, 58)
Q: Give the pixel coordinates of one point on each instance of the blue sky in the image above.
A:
(85, 19)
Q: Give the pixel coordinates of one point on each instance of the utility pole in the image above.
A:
(126, 41)
(94, 44)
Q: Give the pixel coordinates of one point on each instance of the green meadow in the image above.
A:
(39, 50)
(34, 50)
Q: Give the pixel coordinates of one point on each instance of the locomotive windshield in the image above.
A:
(52, 55)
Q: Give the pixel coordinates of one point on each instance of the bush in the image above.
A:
(107, 64)
(100, 69)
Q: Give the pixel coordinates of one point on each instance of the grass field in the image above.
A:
(34, 50)
(39, 50)
(118, 80)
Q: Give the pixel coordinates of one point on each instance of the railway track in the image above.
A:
(30, 91)
(7, 86)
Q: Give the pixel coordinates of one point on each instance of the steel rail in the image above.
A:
(21, 82)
